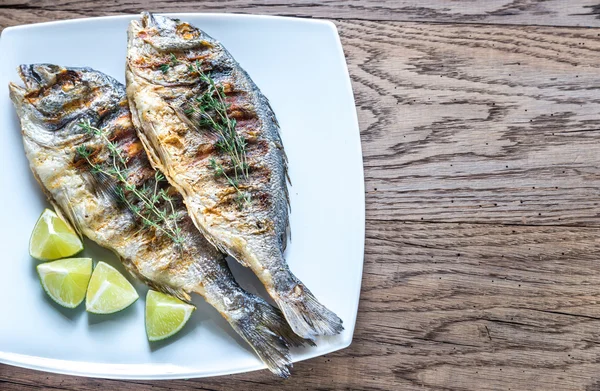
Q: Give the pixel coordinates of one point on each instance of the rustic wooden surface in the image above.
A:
(481, 144)
(530, 12)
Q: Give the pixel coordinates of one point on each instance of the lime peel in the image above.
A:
(108, 291)
(165, 315)
(66, 280)
(53, 238)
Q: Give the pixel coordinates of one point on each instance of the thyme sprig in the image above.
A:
(209, 110)
(242, 197)
(143, 201)
(164, 68)
(212, 112)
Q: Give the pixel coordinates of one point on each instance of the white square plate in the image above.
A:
(299, 65)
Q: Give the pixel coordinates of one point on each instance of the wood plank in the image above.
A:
(446, 306)
(509, 303)
(481, 124)
(478, 123)
(539, 12)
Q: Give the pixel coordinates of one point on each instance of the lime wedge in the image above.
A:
(66, 281)
(165, 315)
(108, 291)
(53, 238)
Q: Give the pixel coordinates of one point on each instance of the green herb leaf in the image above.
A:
(142, 201)
(213, 108)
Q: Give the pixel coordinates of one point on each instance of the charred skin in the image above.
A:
(160, 85)
(50, 107)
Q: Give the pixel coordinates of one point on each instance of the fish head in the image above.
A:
(162, 49)
(54, 100)
(168, 34)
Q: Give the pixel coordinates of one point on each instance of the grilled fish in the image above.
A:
(185, 91)
(83, 150)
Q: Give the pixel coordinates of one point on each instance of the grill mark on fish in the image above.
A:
(171, 89)
(90, 201)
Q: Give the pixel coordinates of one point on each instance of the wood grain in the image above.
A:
(538, 12)
(481, 158)
(445, 306)
(478, 123)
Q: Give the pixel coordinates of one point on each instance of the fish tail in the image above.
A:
(306, 316)
(266, 330)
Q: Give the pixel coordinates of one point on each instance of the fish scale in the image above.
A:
(246, 217)
(70, 119)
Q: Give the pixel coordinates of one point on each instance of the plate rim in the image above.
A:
(174, 14)
(123, 371)
(148, 370)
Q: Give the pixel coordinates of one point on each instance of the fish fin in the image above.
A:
(269, 335)
(279, 141)
(66, 215)
(69, 213)
(267, 102)
(286, 174)
(215, 242)
(103, 186)
(134, 271)
(211, 239)
(177, 106)
(152, 154)
(287, 233)
(221, 247)
(150, 151)
(286, 332)
(306, 316)
(178, 293)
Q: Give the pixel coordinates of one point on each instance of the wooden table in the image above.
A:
(480, 124)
